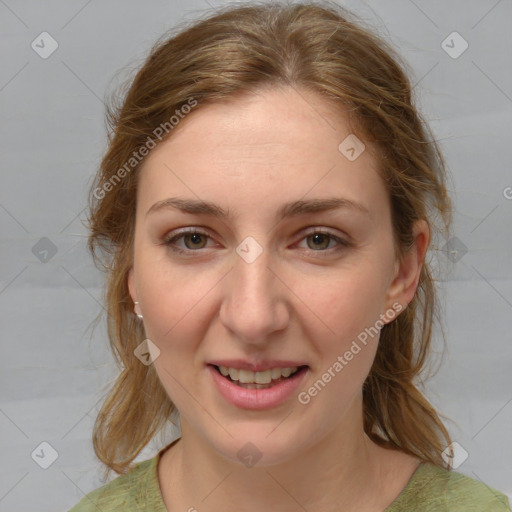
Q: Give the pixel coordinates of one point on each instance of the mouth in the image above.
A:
(259, 380)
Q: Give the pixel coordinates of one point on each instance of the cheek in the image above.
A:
(343, 331)
(345, 341)
(171, 297)
(342, 304)
(174, 321)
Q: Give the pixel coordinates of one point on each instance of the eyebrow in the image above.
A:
(292, 209)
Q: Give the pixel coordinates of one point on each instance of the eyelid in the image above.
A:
(342, 243)
(175, 235)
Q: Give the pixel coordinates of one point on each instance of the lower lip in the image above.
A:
(257, 399)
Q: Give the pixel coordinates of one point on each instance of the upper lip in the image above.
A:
(261, 366)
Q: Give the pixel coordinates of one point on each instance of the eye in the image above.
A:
(320, 241)
(193, 239)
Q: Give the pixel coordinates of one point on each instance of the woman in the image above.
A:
(266, 204)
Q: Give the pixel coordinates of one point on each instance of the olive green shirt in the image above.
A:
(430, 489)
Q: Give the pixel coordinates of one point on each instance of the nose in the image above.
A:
(254, 302)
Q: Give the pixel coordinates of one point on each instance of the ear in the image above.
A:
(131, 284)
(407, 272)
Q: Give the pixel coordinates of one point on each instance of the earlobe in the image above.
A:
(133, 294)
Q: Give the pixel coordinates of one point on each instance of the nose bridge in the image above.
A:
(253, 304)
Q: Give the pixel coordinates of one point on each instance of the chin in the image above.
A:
(259, 446)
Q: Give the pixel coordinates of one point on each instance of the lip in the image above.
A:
(241, 364)
(257, 399)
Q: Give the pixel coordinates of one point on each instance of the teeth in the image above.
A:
(245, 376)
(275, 373)
(262, 377)
(285, 372)
(248, 377)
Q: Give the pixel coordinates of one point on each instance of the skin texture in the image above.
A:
(295, 301)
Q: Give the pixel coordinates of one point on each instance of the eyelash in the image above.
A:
(170, 240)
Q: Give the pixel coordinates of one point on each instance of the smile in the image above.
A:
(247, 389)
(257, 380)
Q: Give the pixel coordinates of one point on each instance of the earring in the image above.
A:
(137, 311)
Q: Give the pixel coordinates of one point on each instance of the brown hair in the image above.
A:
(242, 48)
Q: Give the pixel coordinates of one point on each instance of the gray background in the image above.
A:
(55, 364)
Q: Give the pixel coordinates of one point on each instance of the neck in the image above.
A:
(342, 471)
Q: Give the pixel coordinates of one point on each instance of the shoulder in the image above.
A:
(432, 488)
(136, 490)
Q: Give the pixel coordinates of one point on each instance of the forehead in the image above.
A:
(261, 149)
(266, 124)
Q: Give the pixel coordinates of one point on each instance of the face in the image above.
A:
(255, 289)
